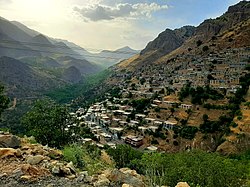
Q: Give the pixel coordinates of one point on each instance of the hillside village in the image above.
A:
(178, 111)
(158, 87)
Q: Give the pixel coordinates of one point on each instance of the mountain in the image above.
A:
(235, 14)
(12, 48)
(18, 37)
(21, 80)
(169, 40)
(25, 28)
(214, 33)
(72, 75)
(26, 39)
(41, 62)
(82, 65)
(107, 58)
(12, 31)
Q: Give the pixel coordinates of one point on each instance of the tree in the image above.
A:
(205, 48)
(124, 155)
(48, 123)
(4, 100)
(198, 43)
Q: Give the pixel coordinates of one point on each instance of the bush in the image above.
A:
(74, 153)
(196, 167)
(154, 141)
(124, 155)
(188, 132)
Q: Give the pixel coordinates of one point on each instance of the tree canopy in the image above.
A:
(4, 100)
(49, 123)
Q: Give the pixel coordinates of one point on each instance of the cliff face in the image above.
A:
(235, 14)
(232, 26)
(169, 40)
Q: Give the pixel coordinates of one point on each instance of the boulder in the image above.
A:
(33, 160)
(127, 177)
(70, 165)
(26, 177)
(55, 170)
(8, 152)
(227, 148)
(27, 169)
(182, 184)
(103, 182)
(126, 185)
(9, 141)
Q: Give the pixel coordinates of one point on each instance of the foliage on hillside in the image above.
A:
(4, 100)
(198, 168)
(47, 122)
(85, 90)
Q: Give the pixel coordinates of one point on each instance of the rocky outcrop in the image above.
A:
(37, 165)
(227, 148)
(169, 40)
(9, 141)
(235, 14)
(9, 152)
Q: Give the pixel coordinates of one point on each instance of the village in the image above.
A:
(118, 121)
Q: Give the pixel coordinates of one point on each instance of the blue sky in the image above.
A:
(110, 24)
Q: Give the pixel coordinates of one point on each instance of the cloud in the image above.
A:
(4, 2)
(100, 12)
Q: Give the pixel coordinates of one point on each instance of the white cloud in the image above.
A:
(98, 12)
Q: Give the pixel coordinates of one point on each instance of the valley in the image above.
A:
(181, 104)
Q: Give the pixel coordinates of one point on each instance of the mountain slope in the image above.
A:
(25, 28)
(22, 81)
(225, 31)
(169, 40)
(84, 66)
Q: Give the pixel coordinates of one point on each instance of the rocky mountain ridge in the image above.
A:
(169, 40)
(206, 34)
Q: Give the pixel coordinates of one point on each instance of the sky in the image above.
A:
(110, 24)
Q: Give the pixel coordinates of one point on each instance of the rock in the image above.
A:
(182, 184)
(29, 170)
(71, 177)
(126, 185)
(102, 183)
(17, 173)
(65, 171)
(71, 167)
(127, 177)
(38, 150)
(26, 177)
(3, 175)
(82, 176)
(54, 154)
(19, 153)
(55, 170)
(8, 152)
(9, 141)
(33, 160)
(227, 148)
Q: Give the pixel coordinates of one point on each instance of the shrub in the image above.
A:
(197, 168)
(124, 155)
(74, 153)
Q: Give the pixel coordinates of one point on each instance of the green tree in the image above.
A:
(48, 123)
(4, 100)
(124, 155)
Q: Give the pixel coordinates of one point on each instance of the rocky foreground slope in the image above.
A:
(26, 164)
